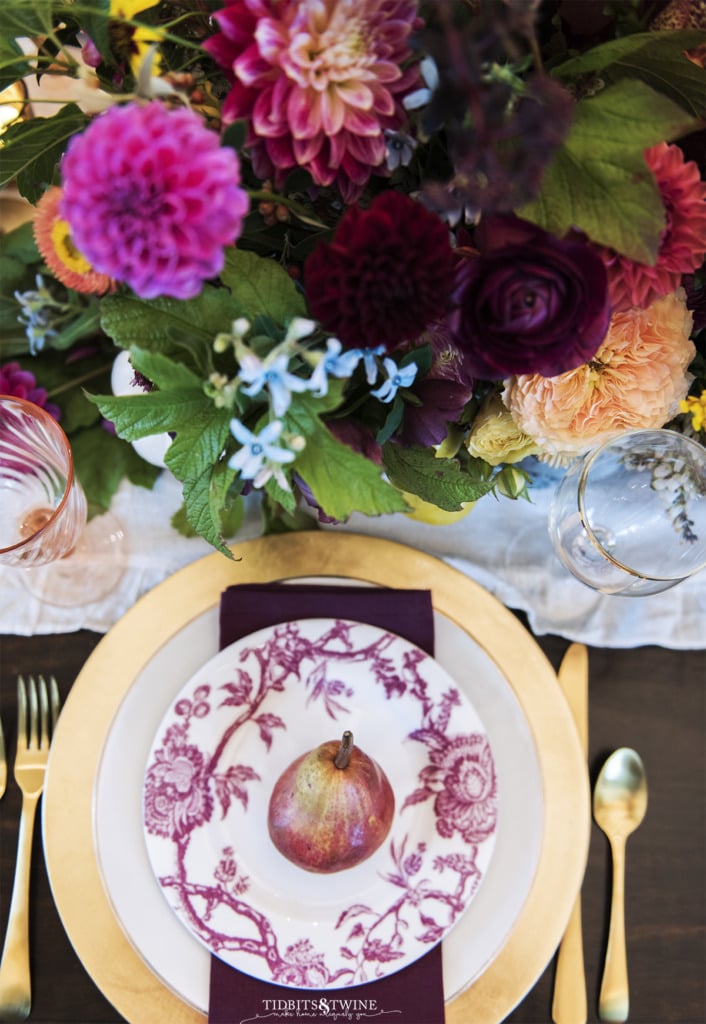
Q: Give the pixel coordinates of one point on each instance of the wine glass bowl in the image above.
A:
(629, 517)
(44, 528)
(43, 509)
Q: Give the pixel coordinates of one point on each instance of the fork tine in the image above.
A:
(33, 715)
(3, 762)
(21, 714)
(54, 702)
(43, 713)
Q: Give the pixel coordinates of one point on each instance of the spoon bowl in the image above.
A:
(619, 805)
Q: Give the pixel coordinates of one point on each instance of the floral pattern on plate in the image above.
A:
(231, 731)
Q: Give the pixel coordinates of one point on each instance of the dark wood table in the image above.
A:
(648, 698)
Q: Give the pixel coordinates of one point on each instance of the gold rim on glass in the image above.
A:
(590, 533)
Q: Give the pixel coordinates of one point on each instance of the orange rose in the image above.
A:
(636, 379)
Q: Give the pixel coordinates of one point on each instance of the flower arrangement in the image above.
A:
(363, 254)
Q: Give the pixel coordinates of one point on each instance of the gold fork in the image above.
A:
(3, 763)
(30, 769)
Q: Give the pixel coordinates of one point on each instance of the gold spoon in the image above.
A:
(619, 805)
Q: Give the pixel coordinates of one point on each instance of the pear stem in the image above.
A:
(345, 750)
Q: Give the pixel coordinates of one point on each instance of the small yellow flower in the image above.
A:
(140, 38)
(696, 408)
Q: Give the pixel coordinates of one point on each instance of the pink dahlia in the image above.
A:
(683, 243)
(152, 198)
(318, 83)
(387, 273)
(18, 383)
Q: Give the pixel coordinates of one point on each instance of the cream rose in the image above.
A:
(496, 437)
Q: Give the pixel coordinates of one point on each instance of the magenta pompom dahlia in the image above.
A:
(152, 198)
(19, 383)
(683, 244)
(318, 83)
(387, 273)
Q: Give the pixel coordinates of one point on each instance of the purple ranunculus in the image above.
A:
(529, 302)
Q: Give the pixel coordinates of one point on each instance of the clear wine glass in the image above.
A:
(44, 531)
(629, 517)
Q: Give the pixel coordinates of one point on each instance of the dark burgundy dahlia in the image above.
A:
(529, 302)
(387, 273)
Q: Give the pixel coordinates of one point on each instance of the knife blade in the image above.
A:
(569, 1002)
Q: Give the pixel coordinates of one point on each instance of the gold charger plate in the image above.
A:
(106, 953)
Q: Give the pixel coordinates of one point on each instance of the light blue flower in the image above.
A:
(420, 97)
(397, 377)
(333, 364)
(38, 308)
(270, 375)
(259, 457)
(399, 149)
(370, 361)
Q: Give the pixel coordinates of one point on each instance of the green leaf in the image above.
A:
(442, 482)
(26, 17)
(599, 181)
(137, 416)
(19, 244)
(341, 480)
(85, 325)
(279, 496)
(198, 443)
(32, 149)
(181, 524)
(260, 285)
(102, 461)
(14, 65)
(171, 326)
(199, 510)
(656, 58)
(166, 374)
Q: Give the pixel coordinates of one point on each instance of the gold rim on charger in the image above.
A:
(102, 946)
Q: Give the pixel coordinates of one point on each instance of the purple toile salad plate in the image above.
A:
(239, 721)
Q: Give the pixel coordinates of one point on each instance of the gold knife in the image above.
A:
(569, 1004)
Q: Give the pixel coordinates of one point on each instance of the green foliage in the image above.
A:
(443, 482)
(341, 480)
(179, 407)
(261, 286)
(26, 18)
(599, 181)
(32, 149)
(102, 461)
(655, 58)
(182, 330)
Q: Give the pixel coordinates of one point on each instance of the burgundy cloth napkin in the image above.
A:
(413, 995)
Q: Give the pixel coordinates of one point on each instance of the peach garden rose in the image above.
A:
(636, 379)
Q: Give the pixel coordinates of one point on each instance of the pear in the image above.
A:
(331, 808)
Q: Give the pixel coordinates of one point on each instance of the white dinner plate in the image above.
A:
(229, 734)
(139, 905)
(112, 908)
